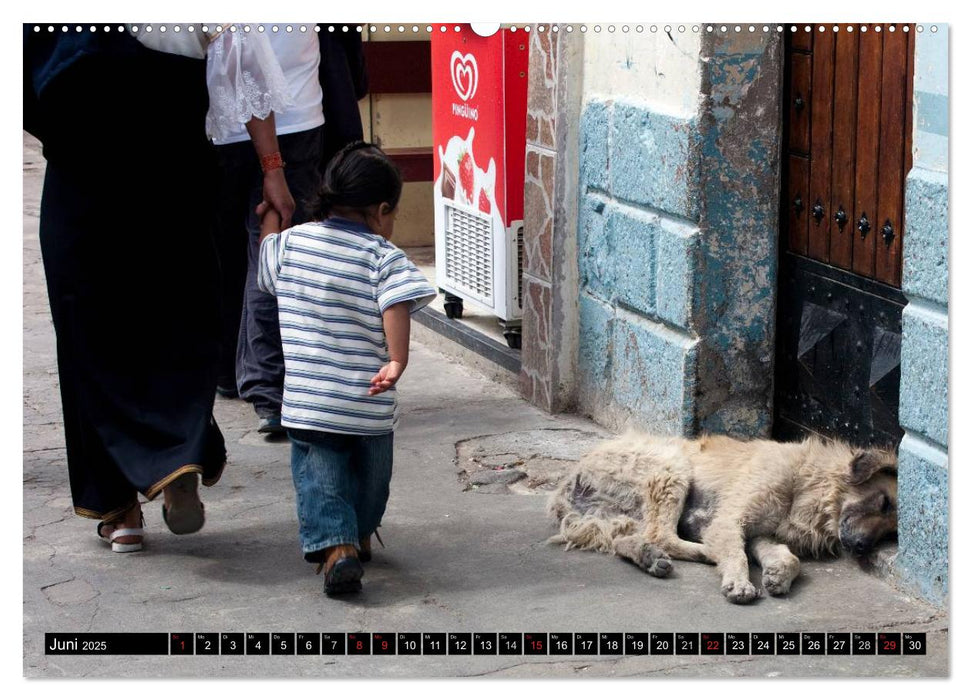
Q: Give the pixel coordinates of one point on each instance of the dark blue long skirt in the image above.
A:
(132, 275)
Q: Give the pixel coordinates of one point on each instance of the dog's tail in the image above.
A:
(586, 520)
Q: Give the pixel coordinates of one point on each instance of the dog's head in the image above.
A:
(869, 511)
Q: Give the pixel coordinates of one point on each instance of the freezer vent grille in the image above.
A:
(468, 251)
(519, 267)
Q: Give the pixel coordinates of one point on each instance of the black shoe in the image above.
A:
(226, 386)
(227, 391)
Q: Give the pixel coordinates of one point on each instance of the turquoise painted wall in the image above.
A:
(677, 244)
(922, 559)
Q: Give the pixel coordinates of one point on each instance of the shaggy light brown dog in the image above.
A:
(651, 499)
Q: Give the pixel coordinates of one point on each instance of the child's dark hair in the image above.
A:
(360, 175)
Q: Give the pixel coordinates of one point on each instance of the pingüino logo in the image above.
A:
(465, 80)
(465, 75)
(465, 111)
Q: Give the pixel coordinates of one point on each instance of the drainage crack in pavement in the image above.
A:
(256, 507)
(183, 600)
(38, 526)
(57, 583)
(933, 618)
(598, 662)
(715, 661)
(911, 623)
(97, 609)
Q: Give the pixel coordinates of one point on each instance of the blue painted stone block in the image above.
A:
(631, 234)
(654, 374)
(594, 351)
(924, 372)
(926, 238)
(677, 257)
(922, 521)
(654, 160)
(594, 256)
(594, 128)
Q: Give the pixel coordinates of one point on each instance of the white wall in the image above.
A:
(658, 70)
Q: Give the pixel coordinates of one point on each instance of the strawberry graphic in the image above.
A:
(484, 205)
(466, 174)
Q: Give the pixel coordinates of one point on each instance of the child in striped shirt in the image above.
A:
(345, 295)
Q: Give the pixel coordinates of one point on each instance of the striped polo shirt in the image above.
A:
(333, 280)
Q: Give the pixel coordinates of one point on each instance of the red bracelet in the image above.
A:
(271, 161)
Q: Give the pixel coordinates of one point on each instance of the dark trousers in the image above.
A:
(251, 355)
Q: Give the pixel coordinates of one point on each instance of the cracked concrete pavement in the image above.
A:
(457, 559)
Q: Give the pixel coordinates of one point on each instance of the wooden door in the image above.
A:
(848, 125)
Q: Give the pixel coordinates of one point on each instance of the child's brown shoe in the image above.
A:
(342, 570)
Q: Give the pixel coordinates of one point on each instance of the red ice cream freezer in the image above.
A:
(479, 135)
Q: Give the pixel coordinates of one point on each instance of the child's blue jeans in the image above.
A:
(342, 483)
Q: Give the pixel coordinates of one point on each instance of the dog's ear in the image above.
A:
(866, 463)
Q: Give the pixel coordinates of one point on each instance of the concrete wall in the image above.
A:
(677, 230)
(922, 560)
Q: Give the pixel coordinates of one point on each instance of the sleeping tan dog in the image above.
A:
(651, 499)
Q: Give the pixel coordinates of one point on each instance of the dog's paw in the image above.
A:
(659, 567)
(648, 557)
(740, 592)
(777, 577)
(655, 561)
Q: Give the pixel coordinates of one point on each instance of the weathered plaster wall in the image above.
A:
(741, 139)
(922, 559)
(677, 230)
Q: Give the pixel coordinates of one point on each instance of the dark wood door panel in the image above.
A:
(800, 102)
(802, 40)
(849, 115)
(847, 133)
(821, 145)
(798, 203)
(891, 165)
(867, 151)
(844, 150)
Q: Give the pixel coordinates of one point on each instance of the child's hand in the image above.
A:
(270, 220)
(386, 377)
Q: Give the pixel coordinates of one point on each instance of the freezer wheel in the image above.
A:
(514, 338)
(453, 306)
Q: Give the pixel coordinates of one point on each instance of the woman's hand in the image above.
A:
(276, 194)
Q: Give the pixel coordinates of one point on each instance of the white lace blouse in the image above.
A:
(245, 81)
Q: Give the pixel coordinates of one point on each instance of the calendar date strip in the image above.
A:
(487, 643)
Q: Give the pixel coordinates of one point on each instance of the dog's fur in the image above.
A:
(651, 499)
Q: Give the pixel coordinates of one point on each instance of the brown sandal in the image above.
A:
(185, 513)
